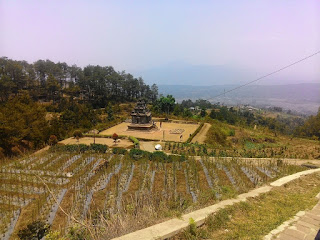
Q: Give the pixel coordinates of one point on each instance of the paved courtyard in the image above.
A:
(162, 133)
(108, 141)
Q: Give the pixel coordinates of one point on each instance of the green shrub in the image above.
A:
(195, 133)
(34, 231)
(232, 132)
(138, 153)
(216, 135)
(158, 156)
(119, 150)
(178, 158)
(77, 134)
(76, 148)
(103, 136)
(55, 235)
(98, 148)
(77, 232)
(135, 141)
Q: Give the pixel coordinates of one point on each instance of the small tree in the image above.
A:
(115, 137)
(203, 112)
(109, 111)
(77, 134)
(53, 140)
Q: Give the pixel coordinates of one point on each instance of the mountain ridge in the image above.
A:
(301, 97)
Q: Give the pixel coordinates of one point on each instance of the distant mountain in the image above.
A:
(179, 73)
(186, 74)
(303, 98)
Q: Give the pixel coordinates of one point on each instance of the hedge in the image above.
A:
(147, 139)
(179, 158)
(195, 133)
(135, 141)
(119, 150)
(138, 153)
(158, 156)
(103, 136)
(98, 148)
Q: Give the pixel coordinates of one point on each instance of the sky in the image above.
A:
(138, 36)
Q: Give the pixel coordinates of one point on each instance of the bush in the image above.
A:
(103, 135)
(137, 153)
(54, 236)
(115, 136)
(119, 150)
(53, 140)
(34, 231)
(158, 156)
(76, 148)
(178, 158)
(216, 135)
(98, 148)
(77, 232)
(77, 134)
(232, 132)
(135, 141)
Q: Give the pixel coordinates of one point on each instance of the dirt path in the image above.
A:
(147, 146)
(201, 136)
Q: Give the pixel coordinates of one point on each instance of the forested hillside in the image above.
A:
(48, 81)
(47, 100)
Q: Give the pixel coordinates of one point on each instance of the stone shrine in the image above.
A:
(141, 117)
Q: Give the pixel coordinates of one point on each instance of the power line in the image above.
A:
(267, 75)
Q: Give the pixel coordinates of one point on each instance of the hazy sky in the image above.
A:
(260, 35)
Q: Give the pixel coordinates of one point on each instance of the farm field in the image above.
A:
(121, 193)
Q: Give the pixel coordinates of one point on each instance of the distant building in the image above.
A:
(141, 117)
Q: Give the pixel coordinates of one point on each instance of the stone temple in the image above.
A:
(141, 117)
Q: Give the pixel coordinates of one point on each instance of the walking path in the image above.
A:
(202, 134)
(173, 226)
(147, 146)
(303, 226)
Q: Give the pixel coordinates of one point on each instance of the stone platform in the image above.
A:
(141, 127)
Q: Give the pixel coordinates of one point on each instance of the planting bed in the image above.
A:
(115, 192)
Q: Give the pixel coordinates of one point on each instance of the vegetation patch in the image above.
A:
(258, 216)
(195, 133)
(81, 148)
(103, 136)
(138, 154)
(135, 141)
(119, 150)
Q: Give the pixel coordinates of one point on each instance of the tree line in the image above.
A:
(29, 91)
(290, 125)
(48, 81)
(24, 124)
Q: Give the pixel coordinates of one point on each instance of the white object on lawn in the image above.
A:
(158, 147)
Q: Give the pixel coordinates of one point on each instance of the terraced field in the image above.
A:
(115, 194)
